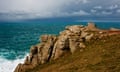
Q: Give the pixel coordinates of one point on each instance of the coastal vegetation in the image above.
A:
(78, 48)
(102, 55)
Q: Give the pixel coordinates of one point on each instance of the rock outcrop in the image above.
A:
(91, 27)
(52, 47)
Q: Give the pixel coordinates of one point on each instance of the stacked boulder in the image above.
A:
(53, 47)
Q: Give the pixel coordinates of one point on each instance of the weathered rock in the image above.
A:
(33, 50)
(53, 47)
(74, 43)
(89, 37)
(91, 27)
(82, 45)
(66, 32)
(45, 51)
(18, 68)
(44, 38)
(84, 34)
(60, 45)
(39, 54)
(23, 68)
(27, 60)
(75, 29)
(33, 55)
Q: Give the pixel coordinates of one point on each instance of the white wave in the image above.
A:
(9, 65)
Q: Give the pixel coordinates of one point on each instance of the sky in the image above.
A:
(31, 9)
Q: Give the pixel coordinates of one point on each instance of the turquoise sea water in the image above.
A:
(17, 37)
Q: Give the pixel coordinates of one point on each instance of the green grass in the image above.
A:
(99, 56)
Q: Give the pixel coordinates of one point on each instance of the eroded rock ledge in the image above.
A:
(53, 47)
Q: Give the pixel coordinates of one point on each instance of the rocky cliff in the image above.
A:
(52, 47)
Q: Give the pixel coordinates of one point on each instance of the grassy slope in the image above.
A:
(99, 56)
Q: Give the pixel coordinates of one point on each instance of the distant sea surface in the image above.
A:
(17, 37)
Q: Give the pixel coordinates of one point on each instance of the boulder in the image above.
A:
(82, 45)
(66, 32)
(44, 38)
(91, 27)
(59, 47)
(23, 68)
(89, 37)
(74, 43)
(33, 56)
(27, 61)
(45, 49)
(75, 29)
(83, 34)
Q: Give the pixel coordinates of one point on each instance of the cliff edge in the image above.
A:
(52, 47)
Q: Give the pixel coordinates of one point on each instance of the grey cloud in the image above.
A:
(23, 9)
(118, 11)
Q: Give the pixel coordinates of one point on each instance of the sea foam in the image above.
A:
(9, 65)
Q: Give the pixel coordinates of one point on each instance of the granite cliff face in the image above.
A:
(53, 47)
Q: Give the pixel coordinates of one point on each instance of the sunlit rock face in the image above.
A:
(52, 47)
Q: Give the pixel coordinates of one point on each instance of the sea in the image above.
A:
(16, 38)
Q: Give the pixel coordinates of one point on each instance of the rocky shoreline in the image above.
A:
(52, 47)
